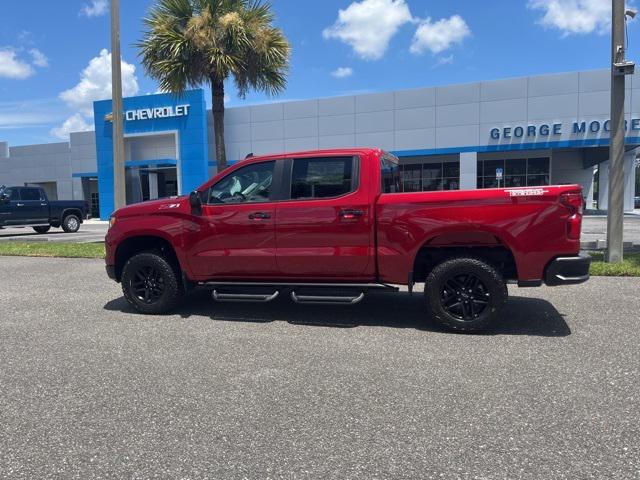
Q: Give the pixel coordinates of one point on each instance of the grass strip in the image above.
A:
(629, 267)
(52, 249)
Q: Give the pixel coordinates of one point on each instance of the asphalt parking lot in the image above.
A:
(92, 390)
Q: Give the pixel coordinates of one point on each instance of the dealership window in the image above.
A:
(412, 178)
(431, 175)
(95, 204)
(516, 172)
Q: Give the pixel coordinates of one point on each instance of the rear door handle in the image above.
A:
(19, 204)
(259, 216)
(350, 213)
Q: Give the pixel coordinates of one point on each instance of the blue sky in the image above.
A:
(54, 55)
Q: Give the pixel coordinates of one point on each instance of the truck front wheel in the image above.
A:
(150, 284)
(465, 294)
(42, 229)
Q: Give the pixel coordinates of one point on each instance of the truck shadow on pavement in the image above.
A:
(522, 315)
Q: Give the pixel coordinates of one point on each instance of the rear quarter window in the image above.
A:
(390, 175)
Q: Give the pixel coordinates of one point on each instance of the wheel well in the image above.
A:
(132, 246)
(71, 211)
(500, 257)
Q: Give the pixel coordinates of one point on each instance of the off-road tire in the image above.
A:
(165, 275)
(489, 286)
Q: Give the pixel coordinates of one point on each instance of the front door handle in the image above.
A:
(259, 216)
(350, 213)
(19, 204)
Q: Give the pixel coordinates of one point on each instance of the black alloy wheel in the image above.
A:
(148, 284)
(465, 297)
(465, 294)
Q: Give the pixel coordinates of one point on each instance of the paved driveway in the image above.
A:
(92, 390)
(89, 232)
(594, 228)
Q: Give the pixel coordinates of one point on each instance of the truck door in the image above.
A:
(325, 228)
(33, 207)
(8, 209)
(236, 236)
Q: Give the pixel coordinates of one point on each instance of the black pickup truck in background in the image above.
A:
(30, 207)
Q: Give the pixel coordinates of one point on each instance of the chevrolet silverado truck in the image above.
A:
(30, 207)
(328, 227)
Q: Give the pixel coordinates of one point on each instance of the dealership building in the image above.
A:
(530, 131)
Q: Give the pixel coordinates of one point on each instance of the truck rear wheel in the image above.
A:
(150, 284)
(465, 294)
(71, 223)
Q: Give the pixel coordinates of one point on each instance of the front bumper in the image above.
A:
(568, 270)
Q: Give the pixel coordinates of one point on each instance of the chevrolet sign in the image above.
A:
(152, 113)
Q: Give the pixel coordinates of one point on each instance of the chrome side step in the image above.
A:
(244, 297)
(326, 299)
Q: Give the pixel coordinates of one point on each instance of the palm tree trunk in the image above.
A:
(217, 93)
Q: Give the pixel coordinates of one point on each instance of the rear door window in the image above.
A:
(30, 194)
(327, 177)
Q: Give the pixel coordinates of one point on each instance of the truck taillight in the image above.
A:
(574, 203)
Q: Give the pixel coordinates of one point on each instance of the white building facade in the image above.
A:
(539, 130)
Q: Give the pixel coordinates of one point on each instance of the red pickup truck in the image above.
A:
(330, 226)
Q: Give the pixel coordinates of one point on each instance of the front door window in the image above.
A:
(251, 184)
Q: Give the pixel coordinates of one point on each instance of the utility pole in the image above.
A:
(615, 214)
(119, 192)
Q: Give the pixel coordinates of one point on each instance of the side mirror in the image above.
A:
(195, 200)
(4, 199)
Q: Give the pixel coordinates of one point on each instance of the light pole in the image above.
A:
(619, 68)
(119, 192)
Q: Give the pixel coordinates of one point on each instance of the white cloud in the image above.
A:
(12, 67)
(38, 58)
(342, 72)
(75, 123)
(574, 16)
(439, 36)
(95, 9)
(95, 84)
(369, 25)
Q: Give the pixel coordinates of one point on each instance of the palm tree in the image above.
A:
(188, 43)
